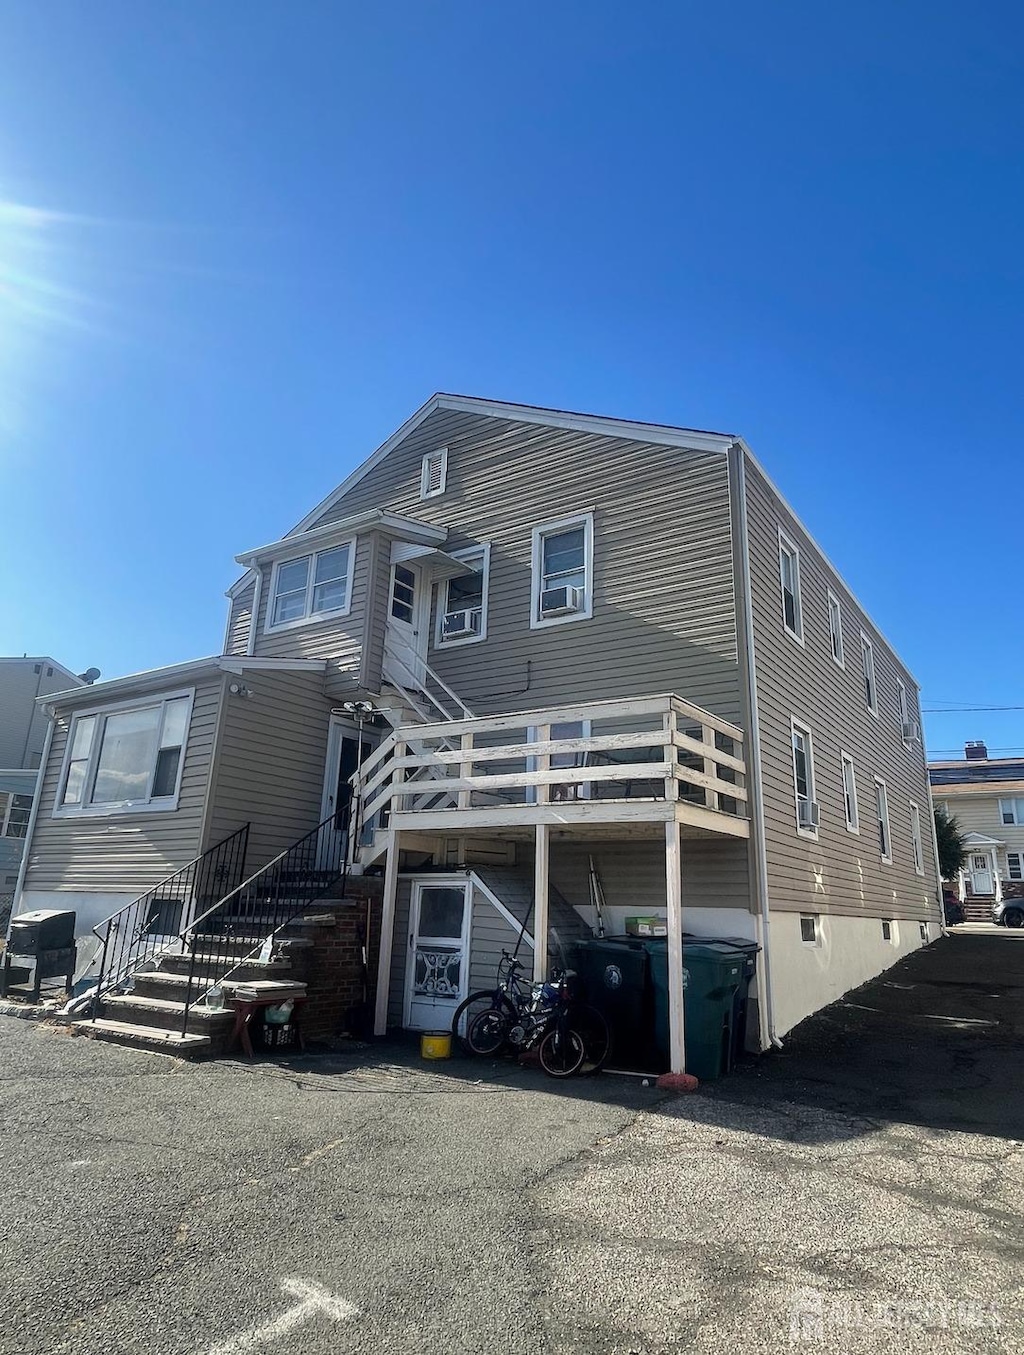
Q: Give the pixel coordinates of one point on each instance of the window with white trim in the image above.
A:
(563, 556)
(810, 929)
(803, 780)
(903, 710)
(835, 629)
(882, 818)
(1011, 811)
(1015, 865)
(867, 662)
(311, 587)
(434, 473)
(789, 573)
(462, 600)
(126, 758)
(15, 812)
(850, 794)
(915, 838)
(890, 931)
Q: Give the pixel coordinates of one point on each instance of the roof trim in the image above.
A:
(178, 672)
(851, 595)
(692, 438)
(410, 529)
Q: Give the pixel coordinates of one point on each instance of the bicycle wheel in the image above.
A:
(483, 1000)
(561, 1051)
(488, 1031)
(590, 1025)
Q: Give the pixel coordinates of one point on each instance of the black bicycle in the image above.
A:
(570, 1036)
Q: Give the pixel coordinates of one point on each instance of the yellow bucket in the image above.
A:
(436, 1044)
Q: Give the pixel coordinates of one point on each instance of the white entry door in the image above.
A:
(437, 971)
(981, 874)
(407, 628)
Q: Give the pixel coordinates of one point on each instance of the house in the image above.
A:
(986, 797)
(523, 640)
(23, 726)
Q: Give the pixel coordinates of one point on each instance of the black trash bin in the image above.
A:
(615, 975)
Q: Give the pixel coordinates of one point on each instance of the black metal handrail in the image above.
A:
(261, 906)
(155, 922)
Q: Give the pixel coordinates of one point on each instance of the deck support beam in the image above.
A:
(541, 893)
(387, 938)
(674, 900)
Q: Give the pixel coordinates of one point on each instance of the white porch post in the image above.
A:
(387, 938)
(540, 904)
(962, 883)
(674, 899)
(997, 884)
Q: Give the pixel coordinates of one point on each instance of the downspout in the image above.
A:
(765, 996)
(19, 887)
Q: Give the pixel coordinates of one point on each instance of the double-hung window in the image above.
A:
(803, 780)
(563, 568)
(462, 601)
(1015, 865)
(882, 817)
(915, 838)
(850, 794)
(789, 573)
(126, 758)
(1011, 811)
(311, 587)
(15, 812)
(909, 728)
(835, 629)
(867, 661)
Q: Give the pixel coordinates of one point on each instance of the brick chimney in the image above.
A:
(975, 751)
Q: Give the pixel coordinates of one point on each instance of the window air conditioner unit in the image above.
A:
(457, 624)
(560, 601)
(911, 730)
(808, 814)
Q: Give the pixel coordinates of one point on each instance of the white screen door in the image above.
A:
(438, 956)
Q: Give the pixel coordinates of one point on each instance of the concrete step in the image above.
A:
(215, 965)
(165, 1013)
(172, 987)
(143, 1037)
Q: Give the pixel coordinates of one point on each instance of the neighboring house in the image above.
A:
(585, 639)
(986, 797)
(23, 725)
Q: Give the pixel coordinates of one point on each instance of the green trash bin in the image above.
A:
(713, 972)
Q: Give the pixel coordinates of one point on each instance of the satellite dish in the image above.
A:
(90, 675)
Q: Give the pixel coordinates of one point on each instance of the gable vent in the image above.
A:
(434, 473)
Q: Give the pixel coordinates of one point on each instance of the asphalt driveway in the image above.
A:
(860, 1189)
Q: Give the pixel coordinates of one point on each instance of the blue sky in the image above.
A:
(240, 244)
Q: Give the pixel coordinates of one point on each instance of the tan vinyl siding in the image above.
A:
(270, 761)
(239, 621)
(663, 591)
(632, 874)
(840, 872)
(980, 814)
(339, 639)
(125, 852)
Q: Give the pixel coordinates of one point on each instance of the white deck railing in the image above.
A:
(653, 748)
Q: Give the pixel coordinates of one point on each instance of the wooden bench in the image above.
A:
(249, 998)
